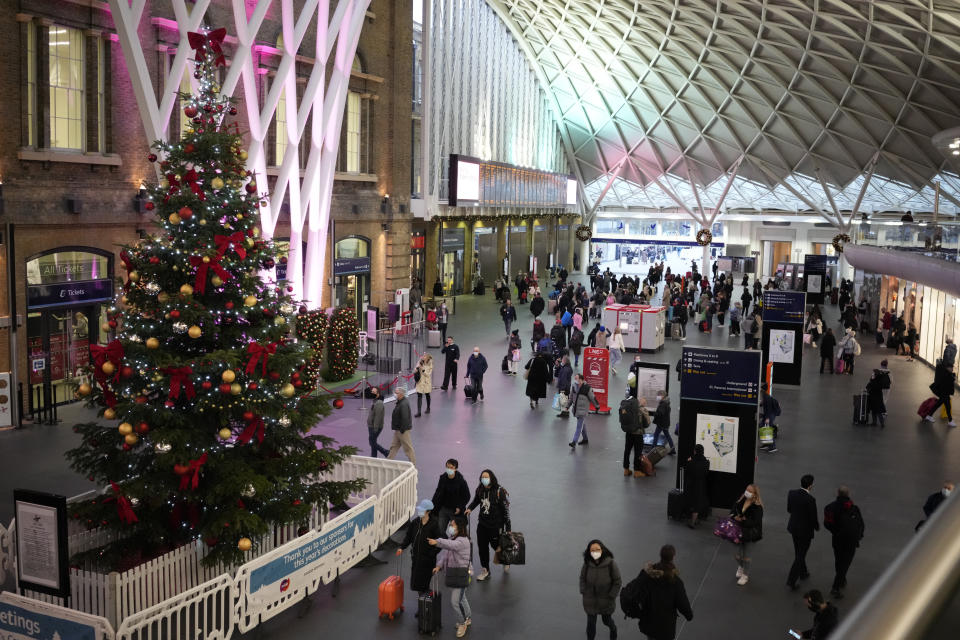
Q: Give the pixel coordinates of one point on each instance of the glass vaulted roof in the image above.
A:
(785, 100)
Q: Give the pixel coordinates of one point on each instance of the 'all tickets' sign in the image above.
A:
(596, 369)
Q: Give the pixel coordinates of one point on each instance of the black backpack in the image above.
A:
(628, 415)
(632, 598)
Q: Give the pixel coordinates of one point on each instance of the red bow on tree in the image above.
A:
(112, 353)
(190, 179)
(128, 265)
(192, 477)
(203, 266)
(124, 509)
(180, 379)
(108, 396)
(214, 39)
(256, 351)
(224, 243)
(255, 427)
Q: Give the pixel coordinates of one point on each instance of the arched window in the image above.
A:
(353, 247)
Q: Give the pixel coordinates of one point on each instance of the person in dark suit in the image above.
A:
(802, 507)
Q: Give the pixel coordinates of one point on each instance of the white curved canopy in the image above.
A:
(793, 102)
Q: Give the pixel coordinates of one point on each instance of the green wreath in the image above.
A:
(839, 240)
(704, 237)
(584, 233)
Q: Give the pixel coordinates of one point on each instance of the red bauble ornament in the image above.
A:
(152, 157)
(273, 375)
(225, 388)
(141, 400)
(180, 469)
(112, 324)
(154, 260)
(211, 542)
(228, 305)
(248, 415)
(295, 375)
(206, 385)
(250, 232)
(303, 308)
(296, 503)
(174, 314)
(253, 386)
(233, 111)
(283, 259)
(126, 372)
(190, 111)
(197, 120)
(169, 404)
(148, 206)
(289, 289)
(143, 428)
(251, 187)
(298, 383)
(185, 212)
(338, 403)
(207, 108)
(189, 148)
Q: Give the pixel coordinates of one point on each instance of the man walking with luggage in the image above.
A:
(661, 418)
(402, 422)
(476, 367)
(451, 354)
(769, 410)
(802, 507)
(633, 421)
(842, 518)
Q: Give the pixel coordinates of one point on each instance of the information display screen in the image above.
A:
(720, 375)
(475, 182)
(783, 306)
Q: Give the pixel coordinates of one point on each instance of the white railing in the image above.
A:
(162, 598)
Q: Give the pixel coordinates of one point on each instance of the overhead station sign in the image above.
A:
(475, 182)
(720, 375)
(784, 306)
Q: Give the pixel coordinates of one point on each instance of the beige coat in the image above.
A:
(426, 377)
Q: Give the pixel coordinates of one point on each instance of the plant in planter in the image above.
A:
(204, 386)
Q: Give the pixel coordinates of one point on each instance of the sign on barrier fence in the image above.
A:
(26, 619)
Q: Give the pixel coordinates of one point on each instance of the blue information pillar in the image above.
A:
(782, 340)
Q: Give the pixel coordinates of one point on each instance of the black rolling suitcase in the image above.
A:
(860, 408)
(675, 499)
(468, 391)
(428, 610)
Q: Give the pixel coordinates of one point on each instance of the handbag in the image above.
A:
(556, 406)
(416, 375)
(515, 354)
(728, 530)
(459, 577)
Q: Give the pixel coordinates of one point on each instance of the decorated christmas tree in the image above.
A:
(312, 328)
(341, 345)
(204, 378)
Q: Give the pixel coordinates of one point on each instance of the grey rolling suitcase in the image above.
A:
(433, 338)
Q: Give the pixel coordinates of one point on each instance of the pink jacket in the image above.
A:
(578, 321)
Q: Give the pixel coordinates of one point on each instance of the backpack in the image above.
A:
(628, 415)
(566, 319)
(576, 338)
(850, 524)
(632, 599)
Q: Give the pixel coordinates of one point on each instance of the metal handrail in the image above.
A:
(907, 599)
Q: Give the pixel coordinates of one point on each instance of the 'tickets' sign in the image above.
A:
(596, 367)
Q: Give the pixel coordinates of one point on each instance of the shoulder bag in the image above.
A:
(459, 577)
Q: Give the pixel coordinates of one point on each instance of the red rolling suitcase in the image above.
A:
(926, 408)
(390, 595)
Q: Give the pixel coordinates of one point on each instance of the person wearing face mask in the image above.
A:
(825, 616)
(423, 527)
(443, 317)
(494, 518)
(452, 493)
(934, 500)
(456, 552)
(748, 513)
(581, 398)
(599, 585)
(476, 367)
(661, 418)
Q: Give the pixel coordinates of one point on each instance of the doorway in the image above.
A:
(775, 252)
(486, 246)
(351, 274)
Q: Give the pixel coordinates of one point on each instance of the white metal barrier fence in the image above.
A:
(176, 597)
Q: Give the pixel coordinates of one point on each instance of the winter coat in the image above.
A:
(752, 524)
(661, 416)
(576, 340)
(514, 344)
(949, 354)
(538, 377)
(824, 622)
(375, 419)
(451, 493)
(827, 344)
(539, 331)
(580, 400)
(476, 366)
(400, 419)
(616, 342)
(559, 336)
(943, 381)
(696, 494)
(425, 384)
(600, 586)
(508, 312)
(879, 381)
(601, 339)
(454, 553)
(451, 353)
(848, 345)
(843, 519)
(564, 378)
(424, 556)
(494, 511)
(664, 596)
(536, 306)
(578, 322)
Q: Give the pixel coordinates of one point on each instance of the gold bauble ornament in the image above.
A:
(216, 281)
(242, 155)
(109, 414)
(244, 544)
(217, 183)
(256, 232)
(249, 301)
(248, 242)
(194, 332)
(164, 184)
(202, 222)
(152, 343)
(239, 216)
(236, 389)
(287, 390)
(134, 276)
(279, 321)
(106, 327)
(163, 297)
(108, 368)
(84, 389)
(123, 299)
(206, 259)
(228, 376)
(125, 428)
(186, 290)
(174, 218)
(131, 439)
(225, 434)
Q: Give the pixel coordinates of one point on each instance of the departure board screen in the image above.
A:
(476, 182)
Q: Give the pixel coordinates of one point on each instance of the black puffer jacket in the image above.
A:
(663, 597)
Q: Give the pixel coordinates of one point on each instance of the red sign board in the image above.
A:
(596, 367)
(418, 242)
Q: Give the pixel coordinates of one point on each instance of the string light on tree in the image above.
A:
(341, 345)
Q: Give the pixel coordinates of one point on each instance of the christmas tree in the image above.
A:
(204, 377)
(312, 328)
(341, 345)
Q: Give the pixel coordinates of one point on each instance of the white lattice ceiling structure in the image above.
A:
(788, 104)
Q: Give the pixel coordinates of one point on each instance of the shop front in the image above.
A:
(518, 252)
(418, 258)
(934, 313)
(351, 274)
(452, 246)
(485, 248)
(541, 250)
(68, 292)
